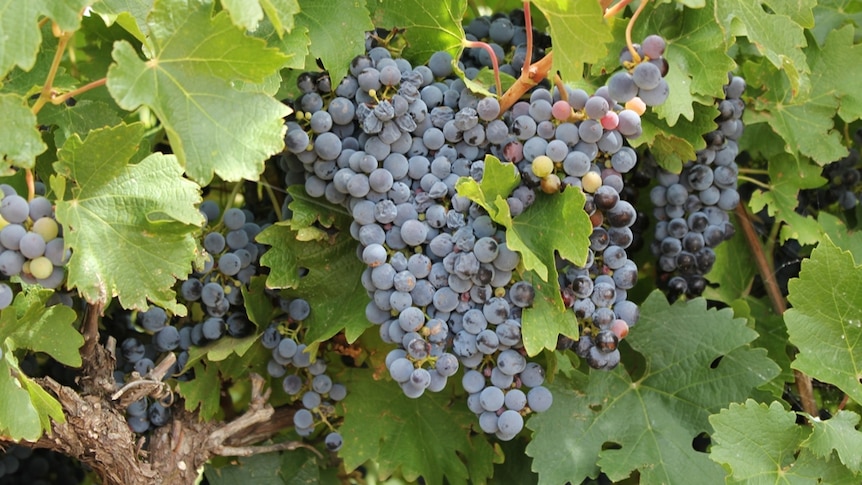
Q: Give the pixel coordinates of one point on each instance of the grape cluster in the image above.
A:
(214, 297)
(390, 142)
(692, 207)
(20, 465)
(578, 140)
(439, 274)
(31, 244)
(303, 375)
(844, 184)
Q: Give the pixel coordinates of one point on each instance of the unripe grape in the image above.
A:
(542, 166)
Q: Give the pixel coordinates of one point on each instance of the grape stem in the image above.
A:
(530, 76)
(494, 62)
(779, 306)
(47, 92)
(635, 56)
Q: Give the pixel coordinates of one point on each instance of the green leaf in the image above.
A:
(212, 127)
(786, 177)
(281, 14)
(697, 361)
(307, 212)
(776, 36)
(129, 14)
(548, 317)
(831, 73)
(21, 142)
(130, 227)
(498, 181)
(337, 32)
(428, 437)
(45, 404)
(257, 303)
(825, 322)
(203, 391)
(831, 15)
(19, 419)
(263, 469)
(757, 442)
(734, 268)
(696, 53)
(222, 348)
(838, 433)
(244, 14)
(80, 119)
(429, 26)
(674, 145)
(836, 229)
(288, 256)
(19, 24)
(46, 329)
(579, 26)
(554, 223)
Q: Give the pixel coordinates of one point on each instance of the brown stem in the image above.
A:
(60, 99)
(529, 77)
(803, 381)
(48, 88)
(635, 57)
(528, 24)
(256, 450)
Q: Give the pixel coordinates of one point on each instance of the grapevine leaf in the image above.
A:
(244, 14)
(825, 322)
(19, 419)
(832, 73)
(300, 468)
(696, 53)
(838, 433)
(429, 26)
(697, 360)
(831, 15)
(786, 178)
(130, 227)
(395, 431)
(776, 36)
(129, 14)
(222, 348)
(262, 469)
(281, 14)
(82, 118)
(307, 211)
(817, 470)
(213, 128)
(548, 317)
(674, 145)
(580, 27)
(288, 257)
(46, 329)
(772, 336)
(336, 29)
(258, 305)
(45, 404)
(19, 24)
(202, 391)
(21, 142)
(555, 222)
(836, 229)
(734, 268)
(800, 11)
(498, 181)
(757, 442)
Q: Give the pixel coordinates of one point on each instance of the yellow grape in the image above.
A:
(542, 166)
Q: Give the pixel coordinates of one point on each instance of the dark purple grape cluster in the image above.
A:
(692, 207)
(389, 144)
(303, 375)
(213, 295)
